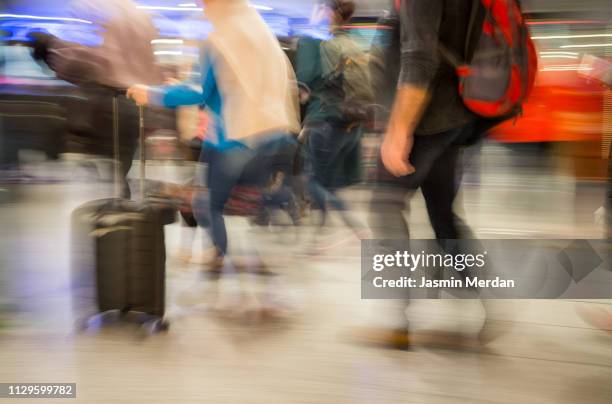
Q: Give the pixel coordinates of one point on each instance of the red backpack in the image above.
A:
(500, 63)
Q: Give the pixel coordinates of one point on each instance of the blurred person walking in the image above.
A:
(608, 204)
(124, 56)
(600, 317)
(609, 196)
(335, 71)
(429, 122)
(249, 84)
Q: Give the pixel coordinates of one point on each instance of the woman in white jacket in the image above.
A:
(248, 82)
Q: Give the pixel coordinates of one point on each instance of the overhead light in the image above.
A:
(262, 8)
(36, 17)
(168, 53)
(573, 36)
(168, 41)
(592, 45)
(163, 8)
(559, 53)
(559, 57)
(566, 68)
(194, 7)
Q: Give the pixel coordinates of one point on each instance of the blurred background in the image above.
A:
(542, 176)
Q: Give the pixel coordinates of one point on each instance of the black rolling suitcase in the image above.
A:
(119, 257)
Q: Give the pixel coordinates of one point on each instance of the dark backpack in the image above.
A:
(501, 61)
(346, 69)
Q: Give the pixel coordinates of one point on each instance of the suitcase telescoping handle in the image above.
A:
(143, 156)
(118, 180)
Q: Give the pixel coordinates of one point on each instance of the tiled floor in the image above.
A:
(547, 355)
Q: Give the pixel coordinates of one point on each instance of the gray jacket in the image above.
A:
(424, 24)
(125, 56)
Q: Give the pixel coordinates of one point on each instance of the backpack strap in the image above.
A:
(477, 18)
(478, 13)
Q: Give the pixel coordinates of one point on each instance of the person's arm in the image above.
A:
(71, 62)
(419, 26)
(175, 95)
(180, 94)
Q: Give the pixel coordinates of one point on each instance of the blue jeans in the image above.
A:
(238, 164)
(328, 150)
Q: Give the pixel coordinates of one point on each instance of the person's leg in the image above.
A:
(326, 144)
(389, 196)
(323, 146)
(225, 170)
(236, 165)
(387, 208)
(319, 157)
(284, 177)
(188, 232)
(440, 190)
(609, 199)
(329, 149)
(292, 207)
(389, 200)
(9, 150)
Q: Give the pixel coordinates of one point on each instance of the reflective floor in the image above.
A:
(222, 349)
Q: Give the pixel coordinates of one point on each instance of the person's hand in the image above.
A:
(395, 152)
(139, 93)
(41, 42)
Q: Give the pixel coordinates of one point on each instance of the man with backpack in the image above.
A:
(336, 73)
(435, 110)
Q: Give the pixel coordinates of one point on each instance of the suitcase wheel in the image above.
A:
(163, 326)
(155, 327)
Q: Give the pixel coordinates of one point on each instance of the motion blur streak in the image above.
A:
(271, 310)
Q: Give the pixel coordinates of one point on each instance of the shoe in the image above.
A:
(445, 340)
(214, 267)
(293, 210)
(252, 265)
(390, 338)
(262, 218)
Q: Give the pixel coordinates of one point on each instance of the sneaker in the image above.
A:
(214, 267)
(391, 338)
(446, 340)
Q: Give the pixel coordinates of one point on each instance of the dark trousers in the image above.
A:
(329, 148)
(436, 159)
